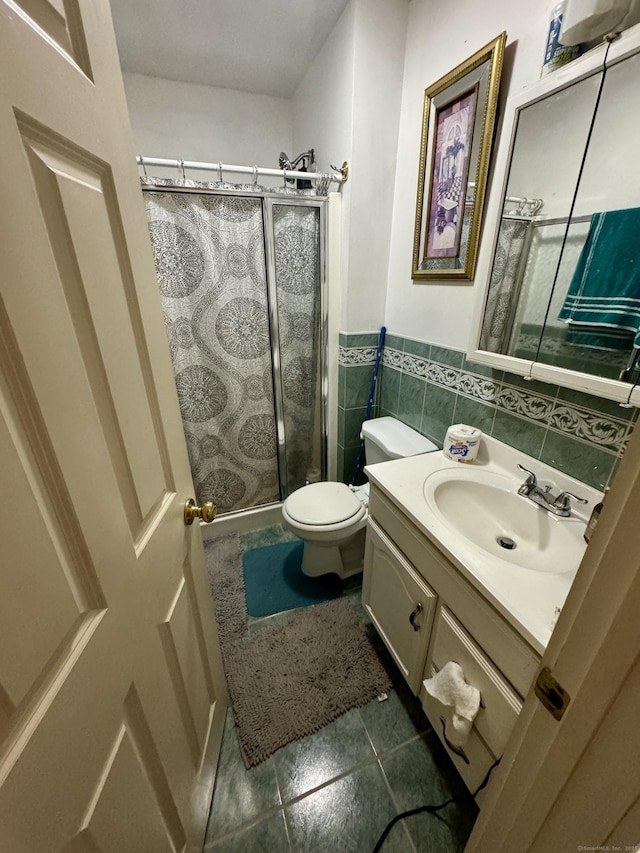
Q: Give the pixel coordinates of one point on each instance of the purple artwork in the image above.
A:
(450, 165)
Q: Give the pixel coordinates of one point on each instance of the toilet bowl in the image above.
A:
(331, 517)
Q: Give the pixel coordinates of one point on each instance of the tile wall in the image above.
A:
(431, 387)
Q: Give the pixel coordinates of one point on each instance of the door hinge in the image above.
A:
(552, 695)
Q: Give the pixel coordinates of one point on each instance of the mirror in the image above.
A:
(562, 300)
(593, 321)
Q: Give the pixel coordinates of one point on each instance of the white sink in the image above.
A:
(485, 508)
(464, 509)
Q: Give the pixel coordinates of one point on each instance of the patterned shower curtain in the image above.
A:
(503, 284)
(210, 264)
(209, 255)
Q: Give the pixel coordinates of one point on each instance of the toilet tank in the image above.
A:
(388, 438)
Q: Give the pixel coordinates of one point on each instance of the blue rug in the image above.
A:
(273, 580)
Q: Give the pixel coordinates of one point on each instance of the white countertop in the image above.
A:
(526, 598)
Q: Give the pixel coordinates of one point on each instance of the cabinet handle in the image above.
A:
(412, 618)
(458, 750)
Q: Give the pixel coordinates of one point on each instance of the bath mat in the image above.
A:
(274, 582)
(291, 679)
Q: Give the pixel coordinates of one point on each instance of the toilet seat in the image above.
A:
(325, 504)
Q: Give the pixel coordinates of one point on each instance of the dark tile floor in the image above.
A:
(335, 791)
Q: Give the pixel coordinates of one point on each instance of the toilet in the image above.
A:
(331, 517)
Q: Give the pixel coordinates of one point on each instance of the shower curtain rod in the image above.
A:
(339, 178)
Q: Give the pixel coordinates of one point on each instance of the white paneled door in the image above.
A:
(111, 688)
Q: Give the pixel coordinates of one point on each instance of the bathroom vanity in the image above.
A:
(440, 585)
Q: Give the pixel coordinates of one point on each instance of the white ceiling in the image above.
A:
(262, 46)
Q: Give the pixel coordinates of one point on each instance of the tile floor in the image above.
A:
(336, 790)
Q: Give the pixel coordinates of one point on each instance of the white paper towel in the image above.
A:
(462, 443)
(461, 701)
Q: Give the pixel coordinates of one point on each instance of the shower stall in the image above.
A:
(241, 274)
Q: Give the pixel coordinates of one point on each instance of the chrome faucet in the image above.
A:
(557, 505)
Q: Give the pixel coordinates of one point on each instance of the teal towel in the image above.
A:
(605, 288)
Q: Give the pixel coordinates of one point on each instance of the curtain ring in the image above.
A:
(284, 171)
(181, 170)
(220, 171)
(255, 176)
(144, 168)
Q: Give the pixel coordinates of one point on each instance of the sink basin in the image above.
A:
(485, 508)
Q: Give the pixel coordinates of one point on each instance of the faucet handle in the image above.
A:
(563, 501)
(531, 479)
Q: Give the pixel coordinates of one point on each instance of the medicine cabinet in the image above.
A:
(560, 264)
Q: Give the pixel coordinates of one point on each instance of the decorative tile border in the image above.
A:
(606, 432)
(351, 356)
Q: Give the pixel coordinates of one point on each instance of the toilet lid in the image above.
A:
(323, 503)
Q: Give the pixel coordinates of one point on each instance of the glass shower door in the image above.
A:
(296, 248)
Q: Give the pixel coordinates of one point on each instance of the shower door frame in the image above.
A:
(269, 202)
(269, 199)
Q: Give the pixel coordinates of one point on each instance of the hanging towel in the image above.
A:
(460, 699)
(605, 289)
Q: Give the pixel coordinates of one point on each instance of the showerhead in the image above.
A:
(284, 162)
(291, 166)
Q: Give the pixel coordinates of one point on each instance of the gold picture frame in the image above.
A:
(458, 121)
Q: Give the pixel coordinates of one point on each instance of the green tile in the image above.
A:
(342, 383)
(350, 459)
(269, 834)
(265, 536)
(421, 773)
(389, 382)
(518, 432)
(240, 795)
(482, 370)
(256, 624)
(597, 404)
(420, 348)
(437, 414)
(411, 400)
(340, 464)
(341, 421)
(394, 342)
(362, 339)
(578, 459)
(357, 385)
(395, 721)
(474, 413)
(444, 355)
(347, 816)
(353, 419)
(312, 761)
(531, 386)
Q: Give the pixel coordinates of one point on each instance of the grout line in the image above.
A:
(397, 807)
(243, 827)
(287, 830)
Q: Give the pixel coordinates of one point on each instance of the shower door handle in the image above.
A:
(207, 512)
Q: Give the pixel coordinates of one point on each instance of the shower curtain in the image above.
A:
(210, 262)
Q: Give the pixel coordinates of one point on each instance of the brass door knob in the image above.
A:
(207, 512)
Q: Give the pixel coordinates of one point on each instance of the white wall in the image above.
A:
(191, 122)
(347, 107)
(380, 35)
(438, 39)
(322, 110)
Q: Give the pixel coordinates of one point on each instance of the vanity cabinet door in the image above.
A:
(401, 605)
(499, 706)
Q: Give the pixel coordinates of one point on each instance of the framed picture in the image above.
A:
(457, 132)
